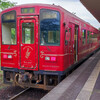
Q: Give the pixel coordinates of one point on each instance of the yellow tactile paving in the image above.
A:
(86, 91)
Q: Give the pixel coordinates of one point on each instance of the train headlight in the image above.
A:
(9, 56)
(47, 58)
(53, 58)
(5, 56)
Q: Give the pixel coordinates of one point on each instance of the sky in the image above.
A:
(73, 6)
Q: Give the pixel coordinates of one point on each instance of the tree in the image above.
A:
(6, 4)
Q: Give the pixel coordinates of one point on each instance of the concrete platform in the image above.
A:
(82, 84)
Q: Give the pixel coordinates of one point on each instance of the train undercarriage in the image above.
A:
(29, 79)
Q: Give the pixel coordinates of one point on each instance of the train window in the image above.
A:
(27, 10)
(94, 38)
(27, 33)
(9, 17)
(9, 28)
(84, 36)
(66, 41)
(67, 36)
(49, 27)
(88, 34)
(90, 37)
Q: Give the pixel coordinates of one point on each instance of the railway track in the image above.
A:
(28, 94)
(19, 94)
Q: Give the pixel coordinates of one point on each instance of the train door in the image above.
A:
(76, 30)
(74, 42)
(71, 50)
(27, 44)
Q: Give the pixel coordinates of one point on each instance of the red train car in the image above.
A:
(40, 43)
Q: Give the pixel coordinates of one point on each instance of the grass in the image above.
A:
(1, 72)
(2, 85)
(1, 79)
(1, 75)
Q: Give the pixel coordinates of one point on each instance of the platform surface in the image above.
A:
(82, 84)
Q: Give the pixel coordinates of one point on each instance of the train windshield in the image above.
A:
(9, 28)
(49, 27)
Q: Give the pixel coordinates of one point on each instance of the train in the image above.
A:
(40, 44)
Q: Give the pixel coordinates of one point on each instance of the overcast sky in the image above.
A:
(73, 6)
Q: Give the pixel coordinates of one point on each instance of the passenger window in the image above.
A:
(88, 35)
(66, 40)
(94, 38)
(84, 36)
(67, 36)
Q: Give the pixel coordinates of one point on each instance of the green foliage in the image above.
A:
(99, 28)
(13, 35)
(6, 4)
(13, 32)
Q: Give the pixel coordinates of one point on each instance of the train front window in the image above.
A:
(49, 27)
(9, 28)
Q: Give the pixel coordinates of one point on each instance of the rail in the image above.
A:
(17, 95)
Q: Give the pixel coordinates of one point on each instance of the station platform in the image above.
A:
(81, 84)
